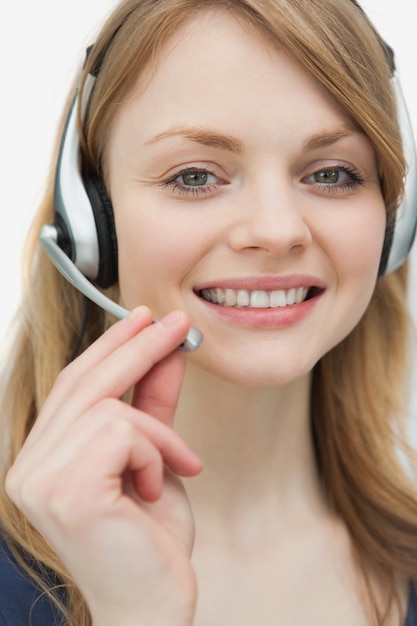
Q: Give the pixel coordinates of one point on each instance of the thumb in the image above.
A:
(158, 392)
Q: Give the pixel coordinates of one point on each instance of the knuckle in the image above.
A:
(11, 483)
(26, 489)
(122, 430)
(108, 406)
(158, 402)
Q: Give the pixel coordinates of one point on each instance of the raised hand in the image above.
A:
(99, 477)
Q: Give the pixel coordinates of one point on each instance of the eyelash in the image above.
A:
(354, 180)
(188, 190)
(196, 190)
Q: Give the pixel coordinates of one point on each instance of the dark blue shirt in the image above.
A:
(23, 604)
(411, 619)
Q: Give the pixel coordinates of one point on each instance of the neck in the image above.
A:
(256, 447)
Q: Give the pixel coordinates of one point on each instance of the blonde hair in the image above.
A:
(358, 388)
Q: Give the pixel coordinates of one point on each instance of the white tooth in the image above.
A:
(220, 295)
(242, 298)
(230, 297)
(259, 299)
(214, 295)
(291, 296)
(299, 295)
(206, 294)
(277, 298)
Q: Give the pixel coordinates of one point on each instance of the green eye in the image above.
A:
(334, 179)
(194, 182)
(194, 179)
(327, 176)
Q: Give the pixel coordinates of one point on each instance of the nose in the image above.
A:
(270, 219)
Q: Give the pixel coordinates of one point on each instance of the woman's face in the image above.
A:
(244, 195)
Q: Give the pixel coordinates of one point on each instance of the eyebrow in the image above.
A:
(329, 137)
(204, 136)
(215, 139)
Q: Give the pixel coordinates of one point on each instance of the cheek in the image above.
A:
(144, 257)
(355, 243)
(355, 250)
(154, 259)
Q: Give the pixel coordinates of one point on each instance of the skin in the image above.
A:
(262, 220)
(124, 527)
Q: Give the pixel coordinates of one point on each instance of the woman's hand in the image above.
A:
(99, 477)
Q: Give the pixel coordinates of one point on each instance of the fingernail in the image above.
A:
(139, 312)
(171, 319)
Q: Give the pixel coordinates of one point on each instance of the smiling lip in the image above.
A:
(262, 302)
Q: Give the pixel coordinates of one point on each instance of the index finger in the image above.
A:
(113, 338)
(109, 373)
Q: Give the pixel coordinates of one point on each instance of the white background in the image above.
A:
(41, 46)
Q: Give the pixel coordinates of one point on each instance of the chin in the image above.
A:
(249, 372)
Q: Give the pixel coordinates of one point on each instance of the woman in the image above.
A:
(254, 166)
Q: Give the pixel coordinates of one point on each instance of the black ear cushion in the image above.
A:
(389, 236)
(106, 231)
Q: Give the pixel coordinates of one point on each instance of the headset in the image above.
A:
(82, 240)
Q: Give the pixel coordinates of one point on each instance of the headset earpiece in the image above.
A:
(81, 216)
(400, 235)
(106, 232)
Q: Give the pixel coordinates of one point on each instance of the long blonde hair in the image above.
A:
(358, 388)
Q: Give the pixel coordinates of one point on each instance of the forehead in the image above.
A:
(216, 70)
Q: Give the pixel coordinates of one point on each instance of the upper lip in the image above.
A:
(263, 283)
